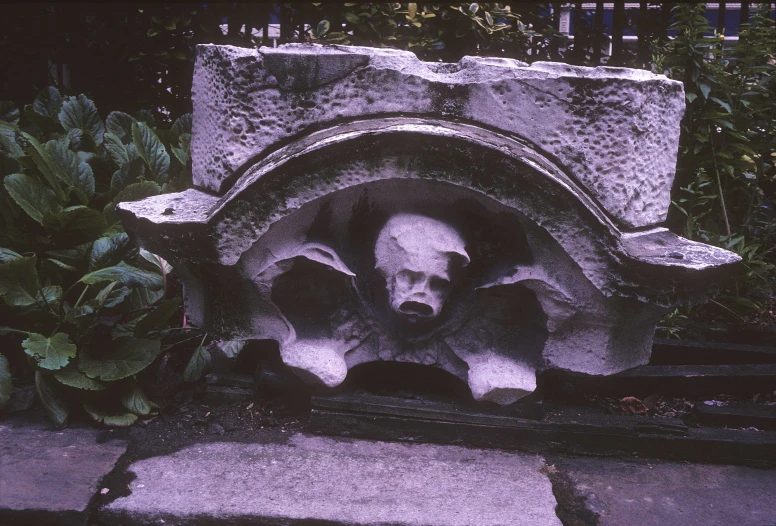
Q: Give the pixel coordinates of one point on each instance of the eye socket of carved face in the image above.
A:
(408, 279)
(438, 284)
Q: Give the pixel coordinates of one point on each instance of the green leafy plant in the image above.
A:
(88, 309)
(437, 31)
(726, 176)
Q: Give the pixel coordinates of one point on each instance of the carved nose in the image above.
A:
(416, 308)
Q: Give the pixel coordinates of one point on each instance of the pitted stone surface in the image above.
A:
(616, 130)
(342, 481)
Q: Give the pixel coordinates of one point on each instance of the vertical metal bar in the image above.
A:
(643, 45)
(597, 26)
(579, 45)
(265, 41)
(285, 25)
(744, 14)
(665, 15)
(618, 28)
(721, 18)
(554, 44)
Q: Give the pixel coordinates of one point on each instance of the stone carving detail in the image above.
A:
(419, 258)
(466, 234)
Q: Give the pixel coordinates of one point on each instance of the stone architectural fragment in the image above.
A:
(488, 217)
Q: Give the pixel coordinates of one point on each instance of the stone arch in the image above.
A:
(505, 169)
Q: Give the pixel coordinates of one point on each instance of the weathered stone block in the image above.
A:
(488, 218)
(615, 130)
(313, 480)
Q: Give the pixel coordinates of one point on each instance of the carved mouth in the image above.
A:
(414, 311)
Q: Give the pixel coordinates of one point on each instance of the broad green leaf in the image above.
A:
(130, 172)
(77, 379)
(50, 170)
(126, 330)
(166, 309)
(142, 297)
(114, 297)
(745, 304)
(110, 420)
(9, 112)
(75, 225)
(691, 97)
(105, 292)
(108, 250)
(116, 149)
(76, 138)
(6, 255)
(158, 262)
(135, 401)
(6, 382)
(153, 152)
(8, 142)
(322, 28)
(60, 264)
(182, 125)
(80, 311)
(75, 256)
(137, 191)
(48, 103)
(51, 293)
(722, 103)
(54, 403)
(32, 196)
(231, 348)
(198, 364)
(705, 89)
(19, 284)
(127, 356)
(120, 125)
(79, 113)
(183, 153)
(147, 117)
(79, 173)
(126, 275)
(50, 353)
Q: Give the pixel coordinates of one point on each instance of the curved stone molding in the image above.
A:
(487, 249)
(615, 130)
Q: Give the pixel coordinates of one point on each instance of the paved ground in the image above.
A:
(52, 478)
(659, 493)
(338, 480)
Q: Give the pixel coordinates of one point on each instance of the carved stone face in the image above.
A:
(419, 258)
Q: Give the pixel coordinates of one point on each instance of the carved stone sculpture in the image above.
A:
(488, 218)
(419, 258)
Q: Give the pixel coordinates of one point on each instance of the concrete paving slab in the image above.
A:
(657, 493)
(317, 480)
(49, 476)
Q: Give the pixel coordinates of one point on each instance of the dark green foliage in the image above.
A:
(725, 193)
(437, 31)
(87, 308)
